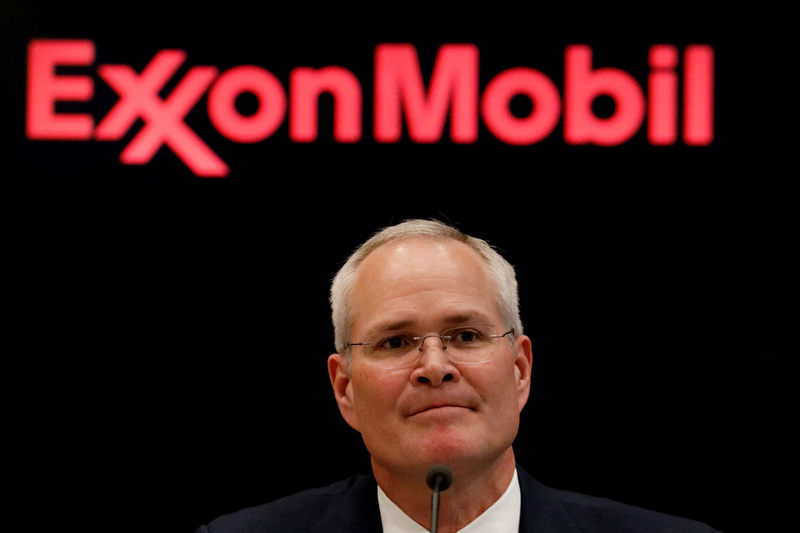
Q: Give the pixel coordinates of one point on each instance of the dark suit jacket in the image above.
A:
(352, 506)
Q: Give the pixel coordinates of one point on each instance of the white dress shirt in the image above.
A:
(501, 517)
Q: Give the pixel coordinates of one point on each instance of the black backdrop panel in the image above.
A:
(175, 328)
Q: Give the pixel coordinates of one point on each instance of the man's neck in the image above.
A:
(475, 488)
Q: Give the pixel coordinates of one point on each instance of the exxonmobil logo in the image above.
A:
(399, 94)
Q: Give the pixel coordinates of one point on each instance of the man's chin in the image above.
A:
(446, 449)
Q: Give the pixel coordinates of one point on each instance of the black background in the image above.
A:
(171, 332)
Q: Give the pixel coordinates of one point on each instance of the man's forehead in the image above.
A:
(425, 268)
(408, 254)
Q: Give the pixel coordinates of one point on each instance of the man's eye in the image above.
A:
(468, 336)
(394, 343)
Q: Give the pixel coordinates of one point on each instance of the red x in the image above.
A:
(163, 118)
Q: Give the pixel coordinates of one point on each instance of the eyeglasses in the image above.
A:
(466, 345)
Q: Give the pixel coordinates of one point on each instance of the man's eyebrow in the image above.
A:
(392, 325)
(470, 317)
(464, 318)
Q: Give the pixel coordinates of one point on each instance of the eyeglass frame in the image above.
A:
(444, 339)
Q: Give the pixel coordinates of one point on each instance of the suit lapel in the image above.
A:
(355, 511)
(541, 512)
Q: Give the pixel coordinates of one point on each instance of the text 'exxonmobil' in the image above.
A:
(399, 94)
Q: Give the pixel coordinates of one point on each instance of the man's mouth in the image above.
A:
(446, 407)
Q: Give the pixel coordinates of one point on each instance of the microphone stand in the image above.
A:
(439, 478)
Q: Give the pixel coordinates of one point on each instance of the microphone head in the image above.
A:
(444, 475)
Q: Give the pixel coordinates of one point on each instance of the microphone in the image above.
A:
(439, 478)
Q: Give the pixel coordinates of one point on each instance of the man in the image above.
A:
(433, 368)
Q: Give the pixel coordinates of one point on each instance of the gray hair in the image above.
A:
(500, 271)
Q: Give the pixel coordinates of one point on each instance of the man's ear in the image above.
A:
(523, 360)
(339, 374)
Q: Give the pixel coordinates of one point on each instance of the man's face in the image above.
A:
(436, 411)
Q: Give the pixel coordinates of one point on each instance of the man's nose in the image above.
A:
(434, 367)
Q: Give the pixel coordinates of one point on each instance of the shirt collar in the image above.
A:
(501, 517)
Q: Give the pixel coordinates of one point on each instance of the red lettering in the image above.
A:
(45, 88)
(698, 95)
(163, 118)
(662, 98)
(306, 86)
(521, 131)
(399, 94)
(399, 86)
(271, 104)
(582, 85)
